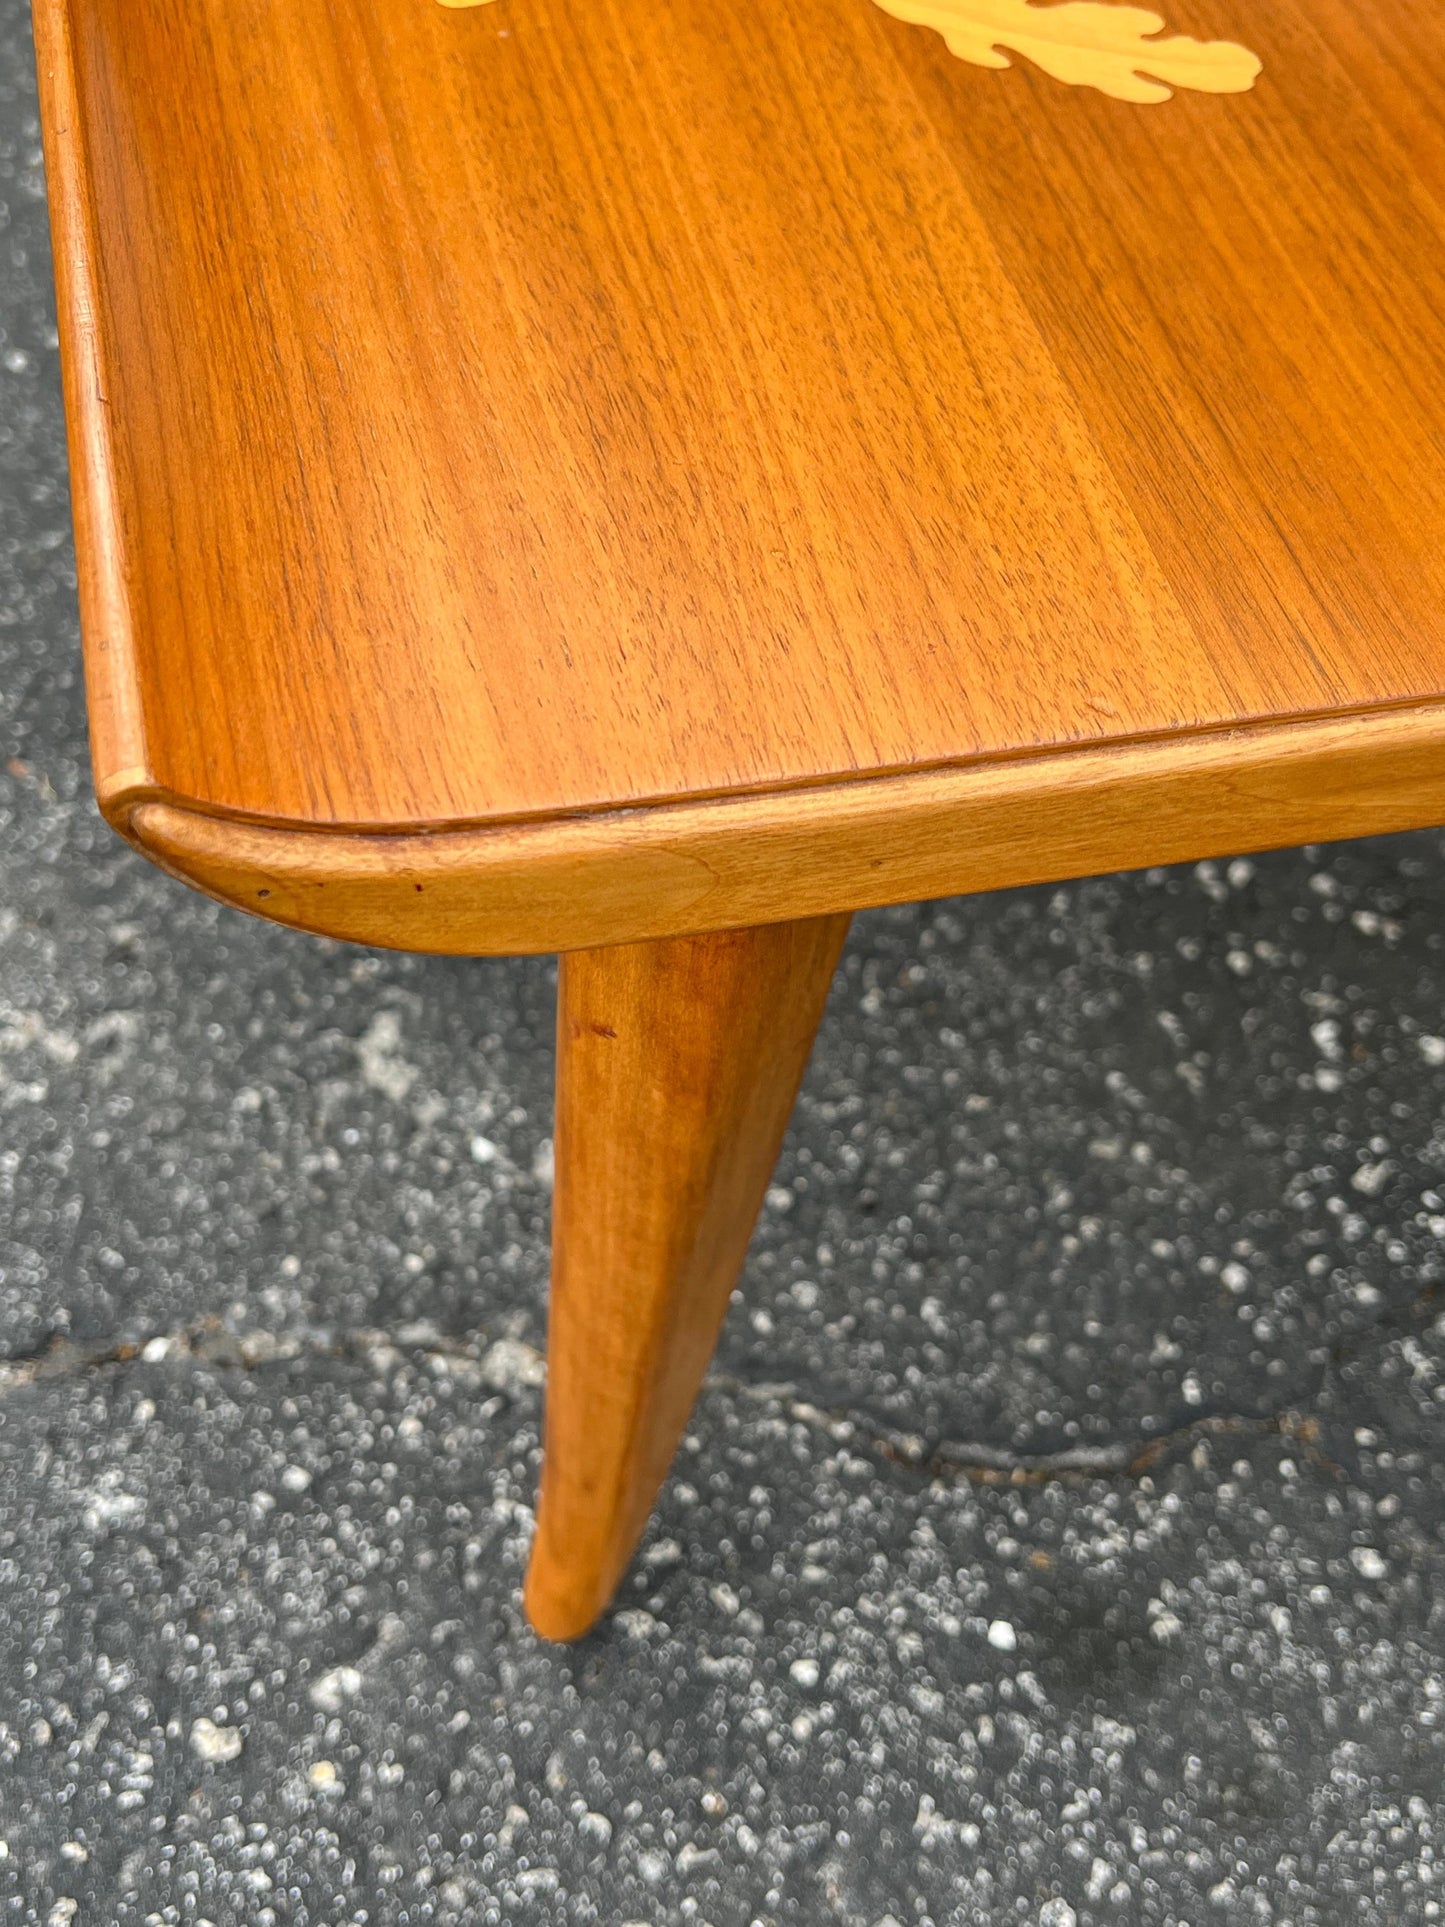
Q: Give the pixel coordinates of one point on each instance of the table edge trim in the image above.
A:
(625, 875)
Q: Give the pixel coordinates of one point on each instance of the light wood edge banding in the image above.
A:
(669, 870)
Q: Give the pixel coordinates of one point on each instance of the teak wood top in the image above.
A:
(900, 475)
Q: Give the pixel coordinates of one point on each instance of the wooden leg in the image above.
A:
(677, 1066)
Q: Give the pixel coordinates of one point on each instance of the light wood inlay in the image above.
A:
(1082, 42)
(1085, 43)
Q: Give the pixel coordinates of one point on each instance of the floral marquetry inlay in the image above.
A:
(1085, 43)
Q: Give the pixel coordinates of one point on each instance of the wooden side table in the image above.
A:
(646, 482)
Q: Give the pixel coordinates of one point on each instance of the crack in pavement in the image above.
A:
(986, 1464)
(209, 1342)
(1135, 1458)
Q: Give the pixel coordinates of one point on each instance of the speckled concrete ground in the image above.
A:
(1059, 1539)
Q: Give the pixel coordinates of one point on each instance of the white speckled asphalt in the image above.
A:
(1059, 1540)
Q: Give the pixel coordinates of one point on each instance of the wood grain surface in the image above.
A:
(677, 1066)
(485, 416)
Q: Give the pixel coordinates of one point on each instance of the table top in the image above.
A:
(487, 414)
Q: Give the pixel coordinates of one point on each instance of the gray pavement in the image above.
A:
(1059, 1538)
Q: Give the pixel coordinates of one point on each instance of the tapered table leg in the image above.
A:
(677, 1067)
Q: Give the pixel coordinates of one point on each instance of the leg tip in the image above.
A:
(556, 1609)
